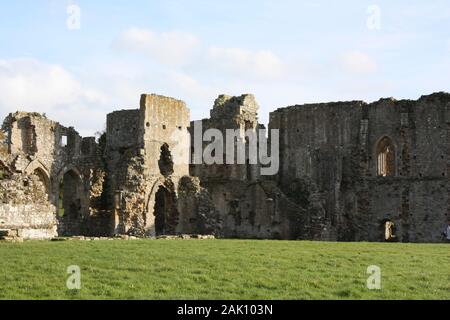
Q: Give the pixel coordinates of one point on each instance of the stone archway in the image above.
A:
(38, 169)
(70, 205)
(161, 214)
(161, 210)
(165, 211)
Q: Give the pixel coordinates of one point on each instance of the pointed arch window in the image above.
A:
(385, 158)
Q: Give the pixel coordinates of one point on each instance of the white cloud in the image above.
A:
(190, 87)
(25, 80)
(261, 63)
(175, 49)
(31, 85)
(358, 62)
(171, 48)
(82, 98)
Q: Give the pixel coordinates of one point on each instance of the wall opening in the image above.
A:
(389, 231)
(30, 139)
(63, 141)
(164, 207)
(385, 158)
(165, 161)
(5, 173)
(248, 125)
(70, 196)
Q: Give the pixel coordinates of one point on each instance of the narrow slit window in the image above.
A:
(63, 141)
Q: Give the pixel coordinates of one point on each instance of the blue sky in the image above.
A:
(285, 52)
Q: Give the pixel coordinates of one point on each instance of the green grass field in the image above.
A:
(223, 269)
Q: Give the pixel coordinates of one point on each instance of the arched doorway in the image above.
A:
(385, 155)
(165, 212)
(70, 203)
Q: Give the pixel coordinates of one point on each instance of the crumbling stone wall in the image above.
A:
(228, 113)
(25, 206)
(347, 171)
(334, 145)
(247, 206)
(38, 148)
(256, 210)
(198, 211)
(146, 168)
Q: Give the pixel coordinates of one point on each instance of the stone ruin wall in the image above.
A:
(248, 205)
(145, 179)
(25, 206)
(328, 186)
(37, 155)
(332, 148)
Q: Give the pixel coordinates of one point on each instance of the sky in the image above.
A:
(78, 60)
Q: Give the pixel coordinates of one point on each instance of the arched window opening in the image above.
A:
(385, 158)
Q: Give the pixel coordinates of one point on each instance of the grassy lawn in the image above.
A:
(223, 269)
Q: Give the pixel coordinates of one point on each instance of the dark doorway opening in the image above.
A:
(165, 212)
(71, 202)
(70, 207)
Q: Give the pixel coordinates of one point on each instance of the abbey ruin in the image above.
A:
(349, 171)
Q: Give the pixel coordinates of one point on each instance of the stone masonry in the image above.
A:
(349, 171)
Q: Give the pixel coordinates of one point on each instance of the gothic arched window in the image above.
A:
(385, 158)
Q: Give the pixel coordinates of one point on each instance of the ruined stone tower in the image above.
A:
(146, 175)
(229, 113)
